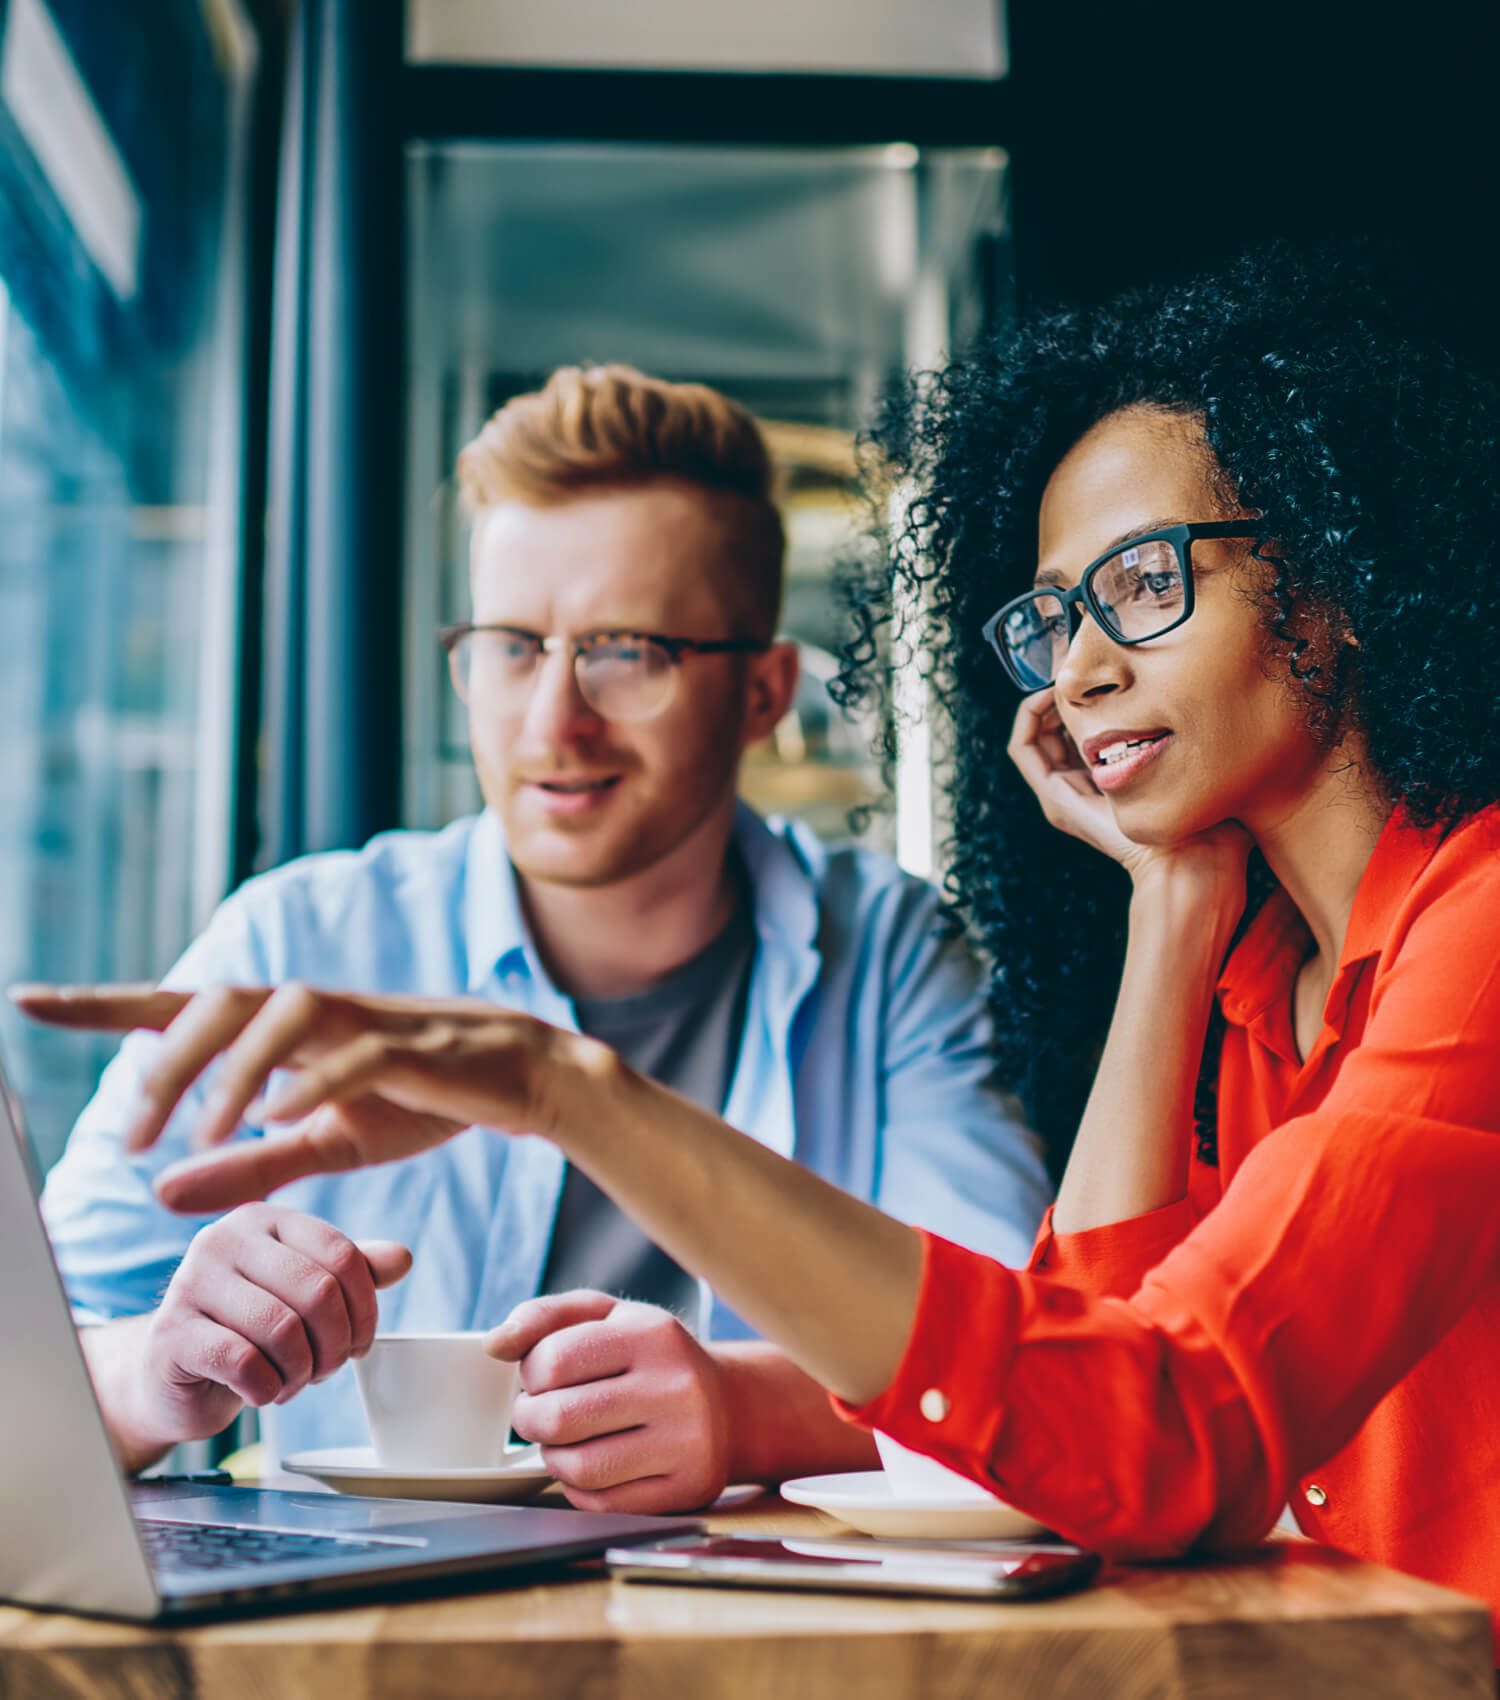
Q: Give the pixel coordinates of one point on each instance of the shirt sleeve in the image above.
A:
(116, 1244)
(1180, 1414)
(956, 1155)
(1114, 1258)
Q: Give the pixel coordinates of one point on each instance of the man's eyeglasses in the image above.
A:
(624, 676)
(1138, 591)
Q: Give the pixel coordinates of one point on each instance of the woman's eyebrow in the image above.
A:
(1138, 531)
(1051, 575)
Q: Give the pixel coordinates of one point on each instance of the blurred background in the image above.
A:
(266, 264)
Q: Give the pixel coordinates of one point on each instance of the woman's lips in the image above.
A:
(1113, 775)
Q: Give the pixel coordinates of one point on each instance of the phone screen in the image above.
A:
(1028, 1570)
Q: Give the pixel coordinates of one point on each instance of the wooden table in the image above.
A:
(1296, 1620)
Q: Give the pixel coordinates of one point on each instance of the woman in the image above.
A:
(1234, 543)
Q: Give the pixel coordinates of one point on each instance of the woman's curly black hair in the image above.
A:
(1336, 412)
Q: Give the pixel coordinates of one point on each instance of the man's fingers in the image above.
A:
(609, 1461)
(321, 1275)
(359, 1267)
(534, 1320)
(572, 1357)
(114, 1009)
(388, 1261)
(568, 1416)
(205, 1350)
(652, 1496)
(268, 1323)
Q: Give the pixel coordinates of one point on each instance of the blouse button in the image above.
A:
(934, 1405)
(1315, 1495)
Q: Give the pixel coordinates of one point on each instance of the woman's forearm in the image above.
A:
(831, 1280)
(1131, 1153)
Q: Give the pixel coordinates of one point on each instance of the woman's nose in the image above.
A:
(1093, 663)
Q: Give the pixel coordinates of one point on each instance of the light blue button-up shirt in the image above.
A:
(865, 1055)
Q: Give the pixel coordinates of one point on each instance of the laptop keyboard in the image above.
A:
(225, 1546)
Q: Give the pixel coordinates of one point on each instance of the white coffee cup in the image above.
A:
(913, 1476)
(436, 1401)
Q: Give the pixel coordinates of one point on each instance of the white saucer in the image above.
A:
(865, 1500)
(352, 1469)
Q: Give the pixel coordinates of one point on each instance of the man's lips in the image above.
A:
(1116, 757)
(570, 795)
(568, 785)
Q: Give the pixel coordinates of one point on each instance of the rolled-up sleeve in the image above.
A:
(1146, 1417)
(1177, 1417)
(1115, 1258)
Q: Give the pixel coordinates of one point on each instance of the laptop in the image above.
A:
(75, 1535)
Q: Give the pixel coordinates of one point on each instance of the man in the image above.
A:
(626, 579)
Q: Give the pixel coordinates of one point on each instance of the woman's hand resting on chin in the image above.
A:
(1051, 765)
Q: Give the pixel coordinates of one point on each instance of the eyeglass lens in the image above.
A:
(624, 678)
(1137, 593)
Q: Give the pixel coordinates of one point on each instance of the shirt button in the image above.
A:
(934, 1405)
(1315, 1495)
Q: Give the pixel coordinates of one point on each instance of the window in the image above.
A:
(798, 280)
(120, 387)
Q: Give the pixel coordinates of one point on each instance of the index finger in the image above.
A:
(533, 1320)
(1042, 750)
(113, 1009)
(575, 1355)
(1039, 726)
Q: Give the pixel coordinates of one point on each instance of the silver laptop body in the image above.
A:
(74, 1536)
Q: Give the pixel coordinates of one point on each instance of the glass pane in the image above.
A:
(1035, 636)
(1140, 589)
(119, 397)
(796, 280)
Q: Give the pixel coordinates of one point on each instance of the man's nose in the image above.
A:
(556, 710)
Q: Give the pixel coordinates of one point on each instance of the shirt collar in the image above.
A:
(1261, 966)
(1401, 853)
(781, 873)
(497, 939)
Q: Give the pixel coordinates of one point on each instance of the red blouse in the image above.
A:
(1319, 1318)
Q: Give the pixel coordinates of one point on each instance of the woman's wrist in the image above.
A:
(584, 1087)
(1187, 900)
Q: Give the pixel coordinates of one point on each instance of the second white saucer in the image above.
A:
(865, 1500)
(352, 1469)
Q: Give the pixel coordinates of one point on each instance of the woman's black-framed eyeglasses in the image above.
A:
(621, 675)
(1136, 591)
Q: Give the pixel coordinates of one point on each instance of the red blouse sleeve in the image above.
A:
(1112, 1259)
(1347, 1244)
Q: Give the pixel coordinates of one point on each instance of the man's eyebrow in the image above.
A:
(1051, 575)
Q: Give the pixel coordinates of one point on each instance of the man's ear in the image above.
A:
(770, 686)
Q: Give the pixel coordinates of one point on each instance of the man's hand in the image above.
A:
(629, 1409)
(265, 1302)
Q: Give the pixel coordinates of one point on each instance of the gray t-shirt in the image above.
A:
(685, 1032)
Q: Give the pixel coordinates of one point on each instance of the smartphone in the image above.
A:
(995, 1571)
